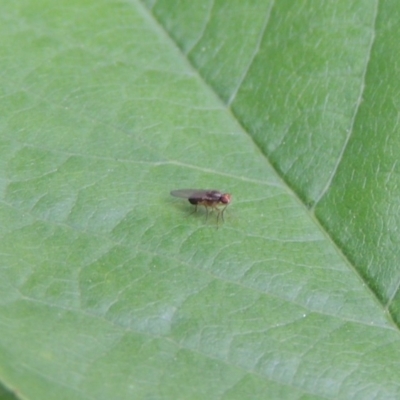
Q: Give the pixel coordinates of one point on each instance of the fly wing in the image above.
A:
(198, 194)
(189, 193)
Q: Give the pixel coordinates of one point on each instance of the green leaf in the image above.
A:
(6, 395)
(110, 288)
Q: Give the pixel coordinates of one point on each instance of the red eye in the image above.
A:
(226, 198)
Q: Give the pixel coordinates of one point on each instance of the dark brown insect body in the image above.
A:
(208, 198)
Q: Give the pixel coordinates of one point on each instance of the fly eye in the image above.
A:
(225, 198)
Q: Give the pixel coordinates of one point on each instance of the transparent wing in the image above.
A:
(190, 193)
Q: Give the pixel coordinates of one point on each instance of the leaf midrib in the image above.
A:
(309, 210)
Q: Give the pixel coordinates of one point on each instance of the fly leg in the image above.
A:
(195, 209)
(206, 212)
(222, 212)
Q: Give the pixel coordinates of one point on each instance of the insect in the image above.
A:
(208, 198)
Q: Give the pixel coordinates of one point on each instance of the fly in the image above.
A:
(213, 199)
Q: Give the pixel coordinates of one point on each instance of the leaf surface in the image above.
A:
(110, 289)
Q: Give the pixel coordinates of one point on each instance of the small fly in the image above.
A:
(213, 199)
